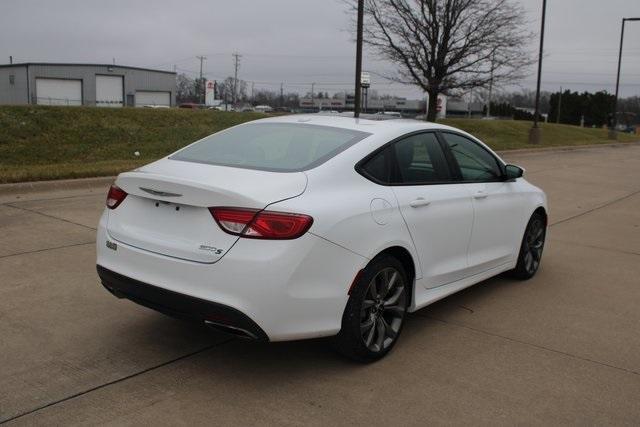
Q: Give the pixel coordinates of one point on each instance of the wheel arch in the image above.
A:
(542, 211)
(406, 259)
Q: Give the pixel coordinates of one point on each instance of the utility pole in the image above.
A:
(253, 84)
(493, 58)
(612, 132)
(282, 94)
(358, 88)
(559, 105)
(236, 66)
(535, 134)
(201, 58)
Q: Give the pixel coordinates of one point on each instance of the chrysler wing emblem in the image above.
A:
(160, 193)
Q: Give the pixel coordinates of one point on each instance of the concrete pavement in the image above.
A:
(563, 348)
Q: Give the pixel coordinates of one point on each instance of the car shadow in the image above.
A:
(300, 356)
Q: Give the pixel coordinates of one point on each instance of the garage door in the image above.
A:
(109, 91)
(151, 98)
(58, 92)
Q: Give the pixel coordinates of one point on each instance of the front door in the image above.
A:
(496, 209)
(437, 210)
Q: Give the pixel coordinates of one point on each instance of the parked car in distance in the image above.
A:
(262, 109)
(393, 114)
(191, 105)
(318, 226)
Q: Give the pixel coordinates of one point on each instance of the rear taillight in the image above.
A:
(115, 196)
(256, 224)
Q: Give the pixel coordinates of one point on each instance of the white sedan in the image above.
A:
(311, 226)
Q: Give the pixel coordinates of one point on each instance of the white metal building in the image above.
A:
(97, 85)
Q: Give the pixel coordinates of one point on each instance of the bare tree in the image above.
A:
(448, 45)
(228, 87)
(186, 89)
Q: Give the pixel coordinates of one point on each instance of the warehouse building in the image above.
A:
(86, 84)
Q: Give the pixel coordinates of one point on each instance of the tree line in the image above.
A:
(571, 108)
(192, 90)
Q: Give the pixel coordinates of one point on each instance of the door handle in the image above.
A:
(420, 201)
(480, 194)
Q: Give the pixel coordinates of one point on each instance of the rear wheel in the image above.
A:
(531, 248)
(375, 313)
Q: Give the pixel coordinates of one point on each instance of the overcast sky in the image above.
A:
(294, 41)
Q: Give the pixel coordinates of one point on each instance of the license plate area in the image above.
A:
(168, 228)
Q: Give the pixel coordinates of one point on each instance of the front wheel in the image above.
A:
(375, 312)
(531, 248)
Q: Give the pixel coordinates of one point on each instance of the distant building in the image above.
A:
(402, 105)
(86, 84)
(454, 107)
(459, 107)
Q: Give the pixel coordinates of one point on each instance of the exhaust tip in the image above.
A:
(231, 330)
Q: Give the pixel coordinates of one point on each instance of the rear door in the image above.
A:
(497, 211)
(437, 211)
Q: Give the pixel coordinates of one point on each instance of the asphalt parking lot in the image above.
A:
(562, 348)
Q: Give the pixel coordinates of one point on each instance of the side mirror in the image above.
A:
(512, 172)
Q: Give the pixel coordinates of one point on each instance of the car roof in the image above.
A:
(360, 124)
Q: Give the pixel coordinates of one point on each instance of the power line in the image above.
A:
(397, 85)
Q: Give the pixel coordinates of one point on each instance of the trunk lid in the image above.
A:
(166, 209)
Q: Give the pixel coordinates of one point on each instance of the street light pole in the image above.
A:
(613, 134)
(535, 132)
(358, 95)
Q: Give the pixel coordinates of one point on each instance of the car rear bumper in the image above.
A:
(181, 306)
(291, 289)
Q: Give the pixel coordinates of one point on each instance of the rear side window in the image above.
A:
(414, 160)
(476, 164)
(379, 166)
(278, 147)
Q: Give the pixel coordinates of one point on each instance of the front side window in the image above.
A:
(277, 147)
(476, 164)
(420, 160)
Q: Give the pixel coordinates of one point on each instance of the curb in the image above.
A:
(62, 184)
(563, 148)
(103, 181)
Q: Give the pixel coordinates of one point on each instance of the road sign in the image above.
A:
(365, 79)
(210, 93)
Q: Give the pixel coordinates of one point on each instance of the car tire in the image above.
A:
(376, 310)
(531, 248)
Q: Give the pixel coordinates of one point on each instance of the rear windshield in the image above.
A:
(278, 147)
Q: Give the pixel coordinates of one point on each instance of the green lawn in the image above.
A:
(514, 134)
(39, 143)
